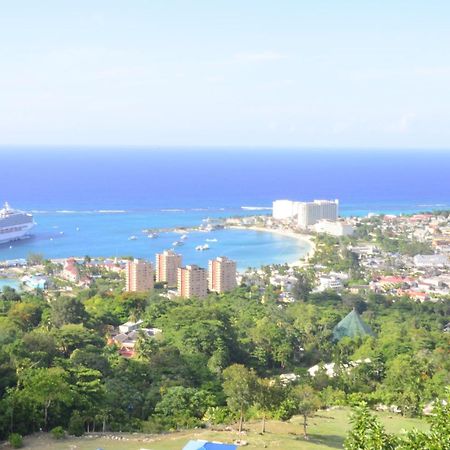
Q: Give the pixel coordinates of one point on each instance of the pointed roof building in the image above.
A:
(352, 326)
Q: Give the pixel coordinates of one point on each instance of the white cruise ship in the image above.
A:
(14, 224)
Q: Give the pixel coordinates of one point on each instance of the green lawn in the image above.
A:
(327, 431)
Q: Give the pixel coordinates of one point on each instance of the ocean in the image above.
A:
(110, 194)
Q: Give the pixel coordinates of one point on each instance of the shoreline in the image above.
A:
(300, 261)
(306, 238)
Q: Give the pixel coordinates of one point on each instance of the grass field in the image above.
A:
(327, 431)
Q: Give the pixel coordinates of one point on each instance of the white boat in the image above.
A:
(211, 240)
(177, 243)
(14, 224)
(152, 236)
(185, 236)
(202, 247)
(132, 238)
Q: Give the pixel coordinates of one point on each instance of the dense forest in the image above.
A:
(217, 360)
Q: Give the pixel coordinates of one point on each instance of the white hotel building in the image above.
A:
(307, 213)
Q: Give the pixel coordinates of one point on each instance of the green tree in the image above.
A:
(367, 432)
(269, 395)
(302, 287)
(35, 259)
(47, 388)
(183, 407)
(25, 315)
(66, 310)
(307, 403)
(239, 386)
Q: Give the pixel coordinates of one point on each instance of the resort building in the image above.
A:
(309, 213)
(167, 264)
(221, 274)
(333, 228)
(71, 271)
(192, 282)
(139, 276)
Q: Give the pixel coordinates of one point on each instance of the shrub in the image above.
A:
(58, 433)
(16, 440)
(76, 424)
(218, 415)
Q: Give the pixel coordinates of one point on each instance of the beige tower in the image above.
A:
(222, 274)
(192, 282)
(139, 276)
(167, 264)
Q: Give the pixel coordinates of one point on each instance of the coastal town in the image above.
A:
(399, 255)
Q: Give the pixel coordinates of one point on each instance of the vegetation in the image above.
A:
(218, 360)
(15, 440)
(368, 432)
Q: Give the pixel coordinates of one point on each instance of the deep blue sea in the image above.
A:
(111, 194)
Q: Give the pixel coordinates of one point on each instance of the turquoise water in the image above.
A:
(9, 282)
(64, 234)
(68, 188)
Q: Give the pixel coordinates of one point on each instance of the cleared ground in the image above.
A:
(327, 431)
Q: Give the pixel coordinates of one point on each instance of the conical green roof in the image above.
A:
(352, 326)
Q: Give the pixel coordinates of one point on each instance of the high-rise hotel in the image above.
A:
(309, 213)
(192, 282)
(306, 213)
(221, 274)
(139, 276)
(167, 264)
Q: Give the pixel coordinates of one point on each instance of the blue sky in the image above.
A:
(273, 73)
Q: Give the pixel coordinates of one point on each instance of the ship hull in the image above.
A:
(15, 235)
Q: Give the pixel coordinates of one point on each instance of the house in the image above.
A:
(127, 327)
(128, 335)
(70, 271)
(35, 282)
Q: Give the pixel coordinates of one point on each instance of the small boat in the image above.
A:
(61, 232)
(77, 228)
(177, 243)
(152, 235)
(185, 236)
(211, 240)
(132, 238)
(203, 247)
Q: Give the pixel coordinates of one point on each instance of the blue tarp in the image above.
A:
(205, 445)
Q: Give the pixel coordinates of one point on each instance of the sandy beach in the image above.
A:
(306, 238)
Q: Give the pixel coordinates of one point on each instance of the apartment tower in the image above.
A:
(167, 264)
(309, 213)
(139, 276)
(192, 282)
(221, 274)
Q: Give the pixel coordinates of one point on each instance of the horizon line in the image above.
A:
(155, 147)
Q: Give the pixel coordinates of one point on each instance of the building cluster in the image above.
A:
(190, 280)
(422, 277)
(320, 216)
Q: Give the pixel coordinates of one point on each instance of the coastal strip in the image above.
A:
(305, 238)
